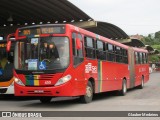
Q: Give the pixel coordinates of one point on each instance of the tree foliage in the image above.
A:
(154, 41)
(154, 58)
(157, 34)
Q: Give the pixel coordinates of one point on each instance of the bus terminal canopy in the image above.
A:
(17, 13)
(20, 12)
(109, 30)
(149, 48)
(135, 43)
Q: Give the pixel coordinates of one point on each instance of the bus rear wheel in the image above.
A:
(87, 98)
(124, 88)
(45, 99)
(142, 83)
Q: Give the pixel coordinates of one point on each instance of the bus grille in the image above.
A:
(39, 80)
(39, 77)
(3, 90)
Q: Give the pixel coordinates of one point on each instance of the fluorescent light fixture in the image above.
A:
(1, 38)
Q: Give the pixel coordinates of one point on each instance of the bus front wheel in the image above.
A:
(87, 98)
(45, 99)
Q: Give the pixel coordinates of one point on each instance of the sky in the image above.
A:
(132, 16)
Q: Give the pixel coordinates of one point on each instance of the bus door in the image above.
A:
(131, 67)
(78, 58)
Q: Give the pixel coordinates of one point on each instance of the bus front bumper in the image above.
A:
(7, 90)
(63, 90)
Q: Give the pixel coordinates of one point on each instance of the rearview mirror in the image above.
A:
(78, 44)
(8, 46)
(9, 39)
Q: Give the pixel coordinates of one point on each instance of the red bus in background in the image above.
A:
(64, 60)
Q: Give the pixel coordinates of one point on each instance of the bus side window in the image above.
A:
(89, 47)
(106, 50)
(144, 58)
(140, 56)
(74, 44)
(77, 54)
(110, 53)
(136, 56)
(124, 56)
(100, 50)
(118, 51)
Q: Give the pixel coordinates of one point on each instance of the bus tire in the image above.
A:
(124, 88)
(141, 86)
(87, 98)
(45, 99)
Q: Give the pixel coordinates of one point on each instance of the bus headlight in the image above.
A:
(18, 81)
(63, 80)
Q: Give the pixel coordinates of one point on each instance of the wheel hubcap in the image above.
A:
(88, 91)
(124, 87)
(142, 82)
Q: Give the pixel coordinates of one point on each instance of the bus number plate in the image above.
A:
(39, 91)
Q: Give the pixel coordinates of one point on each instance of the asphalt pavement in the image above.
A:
(146, 99)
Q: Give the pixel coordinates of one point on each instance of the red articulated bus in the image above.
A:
(64, 60)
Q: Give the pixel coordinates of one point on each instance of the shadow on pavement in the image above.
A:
(61, 101)
(15, 98)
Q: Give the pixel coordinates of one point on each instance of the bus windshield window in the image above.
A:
(3, 60)
(47, 53)
(6, 64)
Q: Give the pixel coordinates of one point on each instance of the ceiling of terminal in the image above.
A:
(30, 12)
(39, 11)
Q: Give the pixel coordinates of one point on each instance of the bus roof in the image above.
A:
(106, 39)
(88, 33)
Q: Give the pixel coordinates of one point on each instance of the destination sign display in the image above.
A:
(42, 30)
(3, 45)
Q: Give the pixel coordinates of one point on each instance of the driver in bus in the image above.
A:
(53, 53)
(48, 51)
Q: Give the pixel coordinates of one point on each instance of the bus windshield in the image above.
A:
(45, 53)
(6, 63)
(3, 60)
